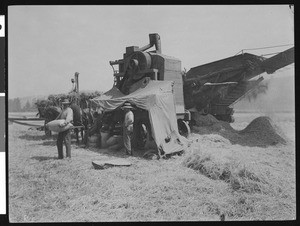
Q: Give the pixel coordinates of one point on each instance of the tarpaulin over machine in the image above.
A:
(158, 99)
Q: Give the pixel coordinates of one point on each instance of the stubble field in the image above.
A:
(45, 189)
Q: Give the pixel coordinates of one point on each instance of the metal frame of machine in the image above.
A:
(209, 89)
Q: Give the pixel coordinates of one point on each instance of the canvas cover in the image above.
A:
(157, 98)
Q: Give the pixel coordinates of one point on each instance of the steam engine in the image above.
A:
(137, 64)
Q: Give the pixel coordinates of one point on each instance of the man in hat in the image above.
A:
(128, 127)
(65, 136)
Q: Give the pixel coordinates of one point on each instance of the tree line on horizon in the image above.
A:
(14, 105)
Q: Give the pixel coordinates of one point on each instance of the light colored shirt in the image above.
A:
(66, 114)
(129, 118)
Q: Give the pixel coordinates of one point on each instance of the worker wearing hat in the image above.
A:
(128, 127)
(65, 136)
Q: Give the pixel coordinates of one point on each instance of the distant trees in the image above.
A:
(14, 105)
(27, 106)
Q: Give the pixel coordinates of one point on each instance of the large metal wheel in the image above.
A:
(183, 128)
(140, 61)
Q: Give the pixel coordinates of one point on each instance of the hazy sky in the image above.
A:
(48, 44)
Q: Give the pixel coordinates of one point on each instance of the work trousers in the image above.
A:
(127, 136)
(65, 137)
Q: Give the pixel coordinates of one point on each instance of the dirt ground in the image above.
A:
(45, 189)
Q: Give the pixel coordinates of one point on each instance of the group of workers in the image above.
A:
(68, 115)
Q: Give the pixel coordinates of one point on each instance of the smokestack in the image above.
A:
(77, 82)
(155, 40)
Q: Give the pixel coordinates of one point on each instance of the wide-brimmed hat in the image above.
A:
(127, 106)
(65, 101)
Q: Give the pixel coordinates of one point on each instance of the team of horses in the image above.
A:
(82, 117)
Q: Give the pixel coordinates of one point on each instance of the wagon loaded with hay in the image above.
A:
(50, 108)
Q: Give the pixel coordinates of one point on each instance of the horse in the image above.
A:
(49, 113)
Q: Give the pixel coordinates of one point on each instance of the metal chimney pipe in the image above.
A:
(155, 40)
(77, 82)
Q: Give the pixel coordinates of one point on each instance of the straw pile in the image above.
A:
(239, 178)
(260, 132)
(213, 155)
(222, 165)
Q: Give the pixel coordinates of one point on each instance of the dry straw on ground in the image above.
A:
(242, 182)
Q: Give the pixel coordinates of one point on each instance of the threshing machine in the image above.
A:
(209, 89)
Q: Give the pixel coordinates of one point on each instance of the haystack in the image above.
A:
(260, 132)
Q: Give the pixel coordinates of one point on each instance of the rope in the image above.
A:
(267, 47)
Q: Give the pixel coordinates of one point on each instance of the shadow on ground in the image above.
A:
(43, 158)
(34, 137)
(51, 141)
(120, 153)
(48, 143)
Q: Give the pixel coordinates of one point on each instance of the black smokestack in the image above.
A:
(155, 40)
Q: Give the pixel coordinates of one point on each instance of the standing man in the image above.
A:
(65, 136)
(128, 127)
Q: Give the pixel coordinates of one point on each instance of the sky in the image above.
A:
(48, 44)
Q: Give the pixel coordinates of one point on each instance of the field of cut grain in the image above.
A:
(259, 183)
